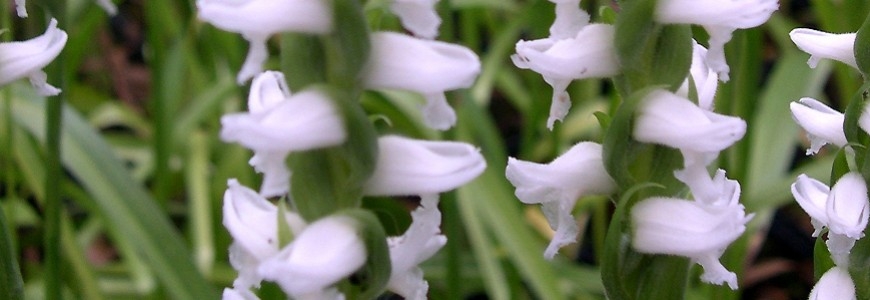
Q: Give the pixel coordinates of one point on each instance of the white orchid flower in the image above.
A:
(419, 167)
(693, 229)
(823, 124)
(719, 18)
(705, 79)
(27, 58)
(557, 186)
(402, 62)
(324, 253)
(420, 242)
(418, 17)
(253, 223)
(589, 54)
(257, 20)
(820, 45)
(836, 283)
(667, 119)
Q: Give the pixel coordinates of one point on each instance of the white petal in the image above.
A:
(822, 124)
(327, 251)
(812, 196)
(420, 242)
(266, 17)
(560, 219)
(416, 167)
(840, 246)
(308, 120)
(733, 13)
(237, 294)
(276, 175)
(822, 45)
(847, 206)
(667, 119)
(39, 81)
(576, 173)
(569, 19)
(253, 64)
(20, 8)
(864, 119)
(267, 91)
(834, 284)
(589, 54)
(27, 58)
(437, 114)
(418, 16)
(705, 79)
(108, 6)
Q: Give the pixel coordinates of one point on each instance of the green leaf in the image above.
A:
(347, 47)
(11, 285)
(862, 47)
(373, 278)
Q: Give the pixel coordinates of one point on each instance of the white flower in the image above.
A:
(398, 61)
(238, 294)
(557, 186)
(253, 223)
(820, 44)
(327, 251)
(588, 54)
(719, 18)
(420, 242)
(822, 123)
(569, 19)
(697, 230)
(419, 167)
(257, 20)
(706, 80)
(418, 16)
(27, 58)
(834, 284)
(667, 119)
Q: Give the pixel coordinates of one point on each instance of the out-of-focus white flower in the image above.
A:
(257, 20)
(719, 18)
(239, 294)
(20, 8)
(419, 167)
(420, 242)
(557, 186)
(834, 284)
(402, 62)
(569, 19)
(588, 54)
(705, 79)
(822, 123)
(418, 16)
(253, 223)
(327, 251)
(844, 209)
(667, 119)
(820, 44)
(694, 229)
(27, 58)
(108, 6)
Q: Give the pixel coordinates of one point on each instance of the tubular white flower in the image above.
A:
(402, 62)
(588, 54)
(667, 119)
(693, 229)
(327, 251)
(719, 18)
(569, 19)
(706, 80)
(557, 186)
(253, 223)
(823, 124)
(820, 44)
(420, 242)
(834, 284)
(419, 167)
(27, 58)
(418, 17)
(257, 20)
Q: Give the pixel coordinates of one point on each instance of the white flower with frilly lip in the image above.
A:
(823, 124)
(844, 209)
(419, 167)
(705, 79)
(667, 119)
(27, 58)
(420, 242)
(836, 283)
(820, 45)
(418, 16)
(697, 230)
(257, 20)
(402, 62)
(557, 186)
(719, 18)
(324, 253)
(588, 54)
(253, 223)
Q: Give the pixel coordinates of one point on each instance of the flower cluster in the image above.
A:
(314, 254)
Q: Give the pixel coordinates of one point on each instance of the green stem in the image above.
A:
(53, 170)
(11, 283)
(155, 14)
